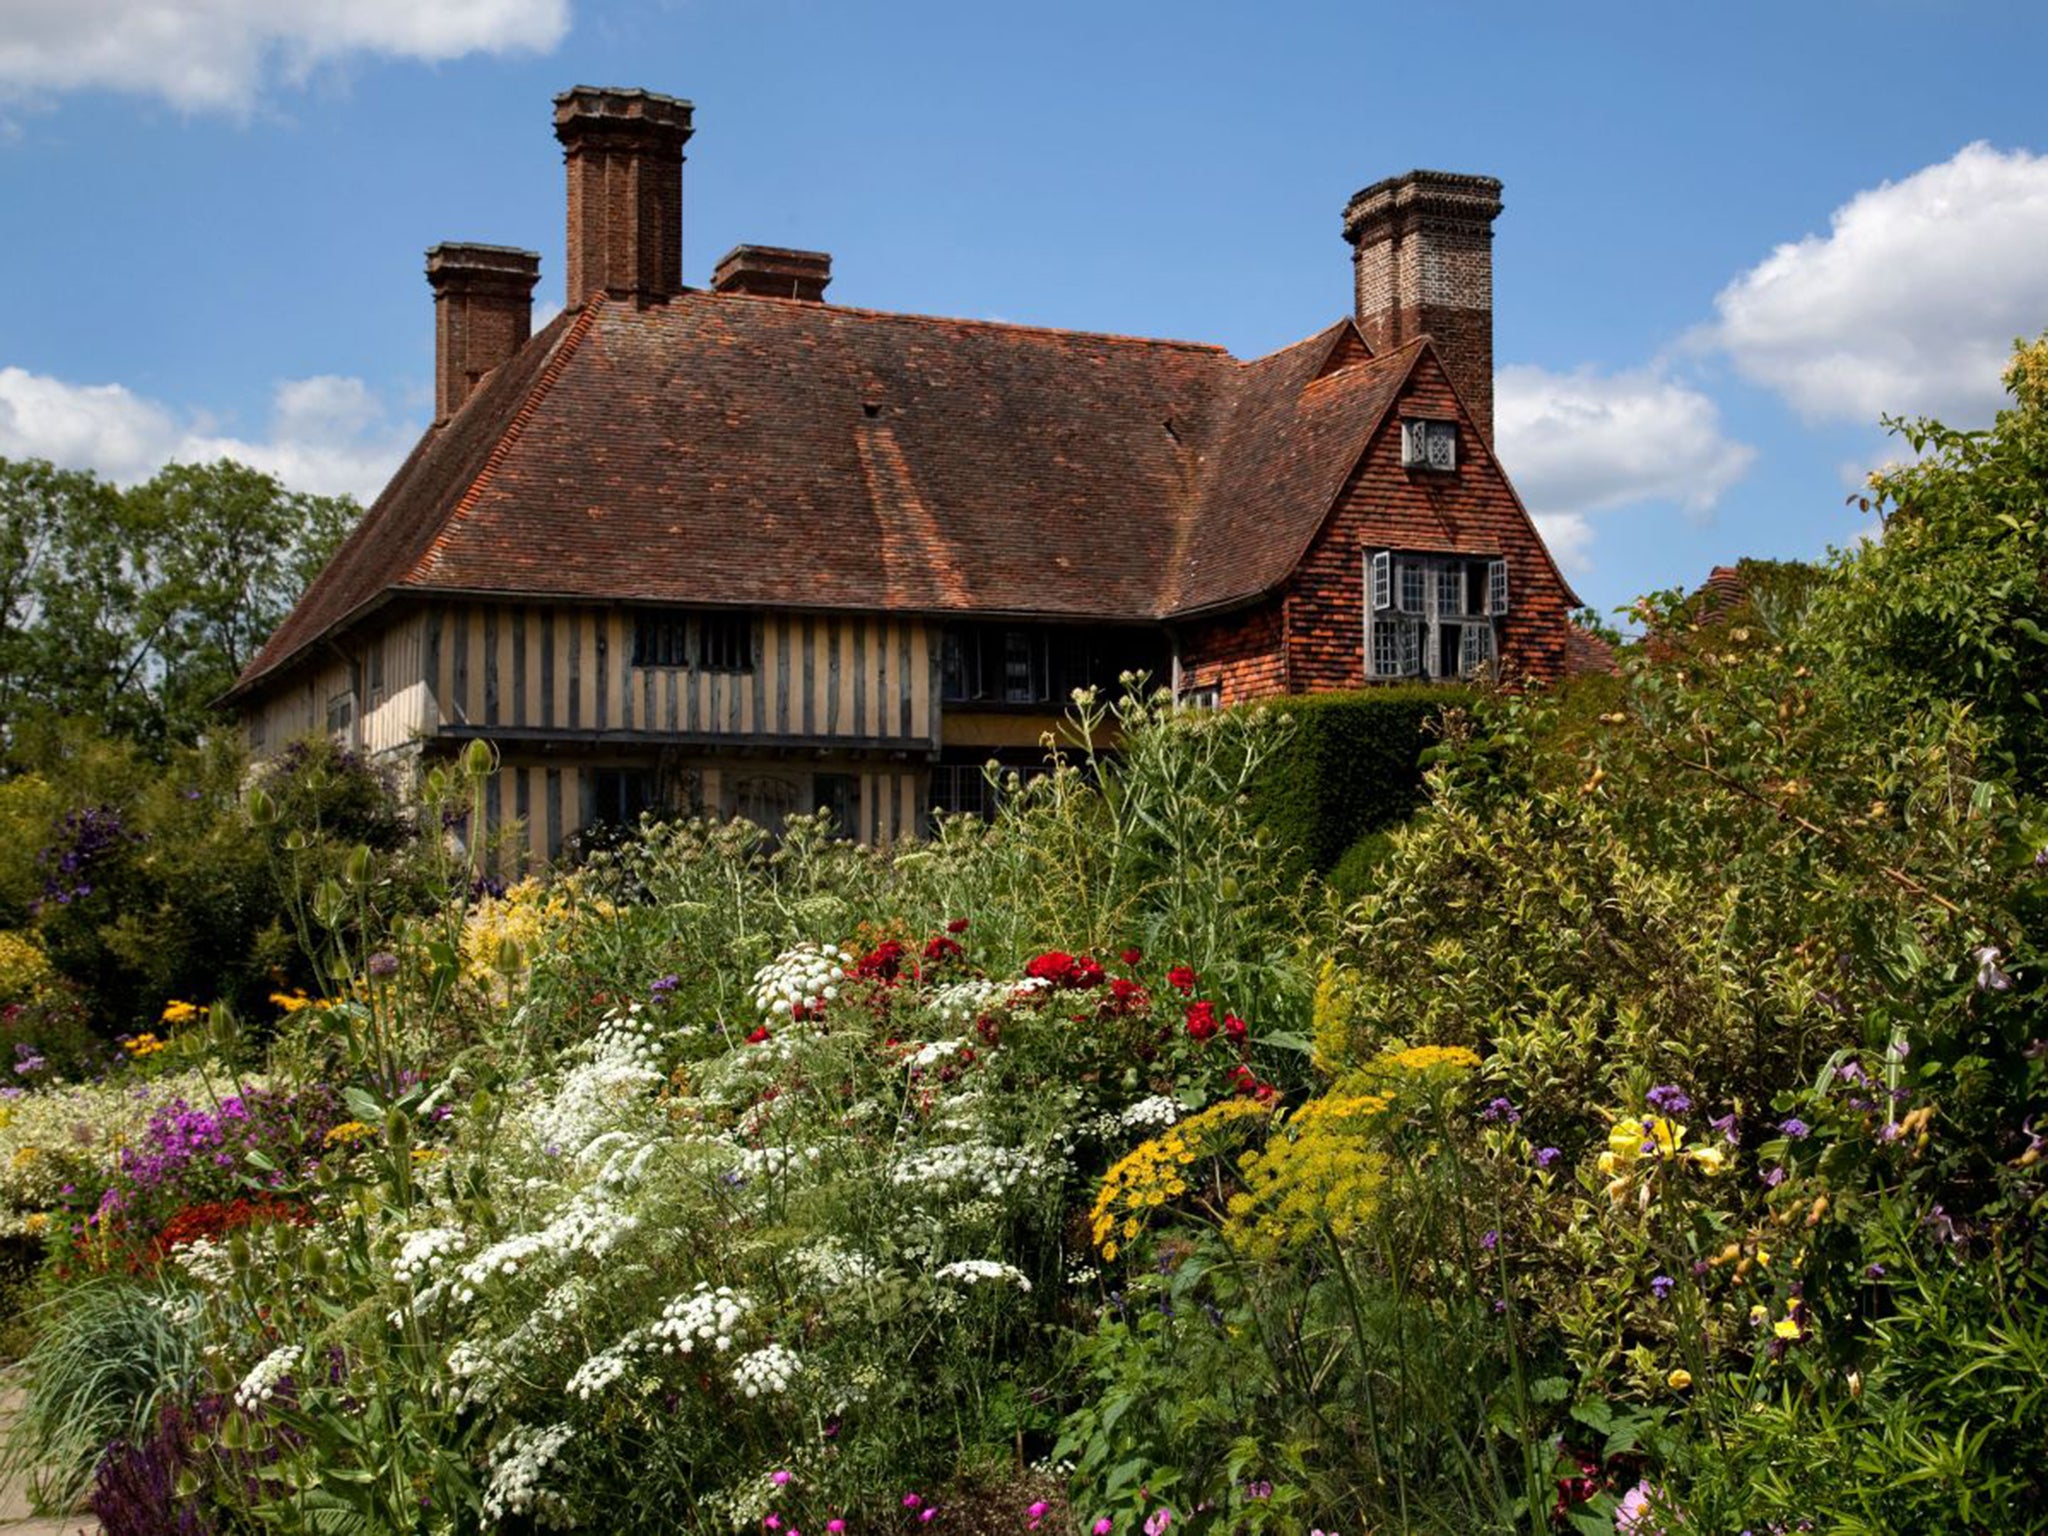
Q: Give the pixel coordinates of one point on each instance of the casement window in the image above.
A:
(838, 793)
(707, 642)
(1429, 445)
(617, 796)
(341, 712)
(373, 671)
(1432, 616)
(1041, 664)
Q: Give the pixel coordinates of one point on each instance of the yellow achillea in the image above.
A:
(1156, 1171)
(349, 1131)
(1321, 1174)
(1421, 1061)
(139, 1046)
(177, 1012)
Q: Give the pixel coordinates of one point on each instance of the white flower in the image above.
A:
(421, 1253)
(798, 977)
(973, 1272)
(705, 1317)
(260, 1385)
(769, 1369)
(1990, 978)
(517, 1462)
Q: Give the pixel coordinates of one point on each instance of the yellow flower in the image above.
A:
(139, 1046)
(347, 1132)
(1758, 1316)
(1786, 1328)
(1321, 1173)
(176, 1013)
(1149, 1175)
(291, 1002)
(1679, 1379)
(1710, 1160)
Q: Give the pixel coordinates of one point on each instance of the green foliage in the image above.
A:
(1352, 765)
(135, 609)
(106, 1357)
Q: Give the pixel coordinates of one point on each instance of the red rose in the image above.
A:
(958, 925)
(1131, 956)
(758, 1035)
(941, 949)
(1051, 966)
(1202, 1020)
(1084, 972)
(1233, 1026)
(1126, 997)
(882, 963)
(1181, 979)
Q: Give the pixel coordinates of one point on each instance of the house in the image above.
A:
(745, 549)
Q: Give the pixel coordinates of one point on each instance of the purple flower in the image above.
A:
(1547, 1156)
(1501, 1110)
(1669, 1099)
(1773, 1177)
(1990, 977)
(1873, 1271)
(1851, 1072)
(1489, 1239)
(383, 966)
(1796, 1128)
(1663, 1285)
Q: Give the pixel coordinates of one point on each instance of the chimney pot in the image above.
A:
(1422, 248)
(624, 153)
(774, 271)
(483, 313)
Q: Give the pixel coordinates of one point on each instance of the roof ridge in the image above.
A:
(1001, 325)
(507, 440)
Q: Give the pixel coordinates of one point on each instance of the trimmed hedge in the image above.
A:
(1351, 767)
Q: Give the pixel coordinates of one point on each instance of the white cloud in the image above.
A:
(327, 434)
(1584, 442)
(216, 55)
(1910, 303)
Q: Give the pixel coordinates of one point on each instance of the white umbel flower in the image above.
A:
(260, 1385)
(767, 1372)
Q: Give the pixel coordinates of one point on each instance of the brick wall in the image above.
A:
(1312, 639)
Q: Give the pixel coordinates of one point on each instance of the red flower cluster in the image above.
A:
(940, 949)
(882, 963)
(957, 925)
(1076, 973)
(1182, 979)
(1126, 999)
(758, 1036)
(214, 1219)
(1202, 1020)
(1248, 1085)
(1131, 956)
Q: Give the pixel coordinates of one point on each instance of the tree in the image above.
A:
(137, 608)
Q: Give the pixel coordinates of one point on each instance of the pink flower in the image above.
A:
(836, 1527)
(930, 1512)
(779, 1479)
(771, 1523)
(911, 1501)
(1162, 1517)
(1103, 1527)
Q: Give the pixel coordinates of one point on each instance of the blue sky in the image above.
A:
(1734, 233)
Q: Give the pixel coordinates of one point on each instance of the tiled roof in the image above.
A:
(1585, 651)
(730, 449)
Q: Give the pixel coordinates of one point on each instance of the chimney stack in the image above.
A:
(624, 151)
(483, 313)
(774, 272)
(1422, 246)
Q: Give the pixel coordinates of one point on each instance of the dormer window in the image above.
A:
(1429, 445)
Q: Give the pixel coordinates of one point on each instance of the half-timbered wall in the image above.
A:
(855, 680)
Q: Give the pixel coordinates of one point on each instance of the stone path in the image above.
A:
(15, 1516)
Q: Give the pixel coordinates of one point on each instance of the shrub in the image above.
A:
(1352, 765)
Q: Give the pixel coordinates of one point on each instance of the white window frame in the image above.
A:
(1424, 440)
(1406, 642)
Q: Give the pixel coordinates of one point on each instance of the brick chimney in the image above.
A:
(624, 151)
(483, 313)
(1422, 246)
(774, 272)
